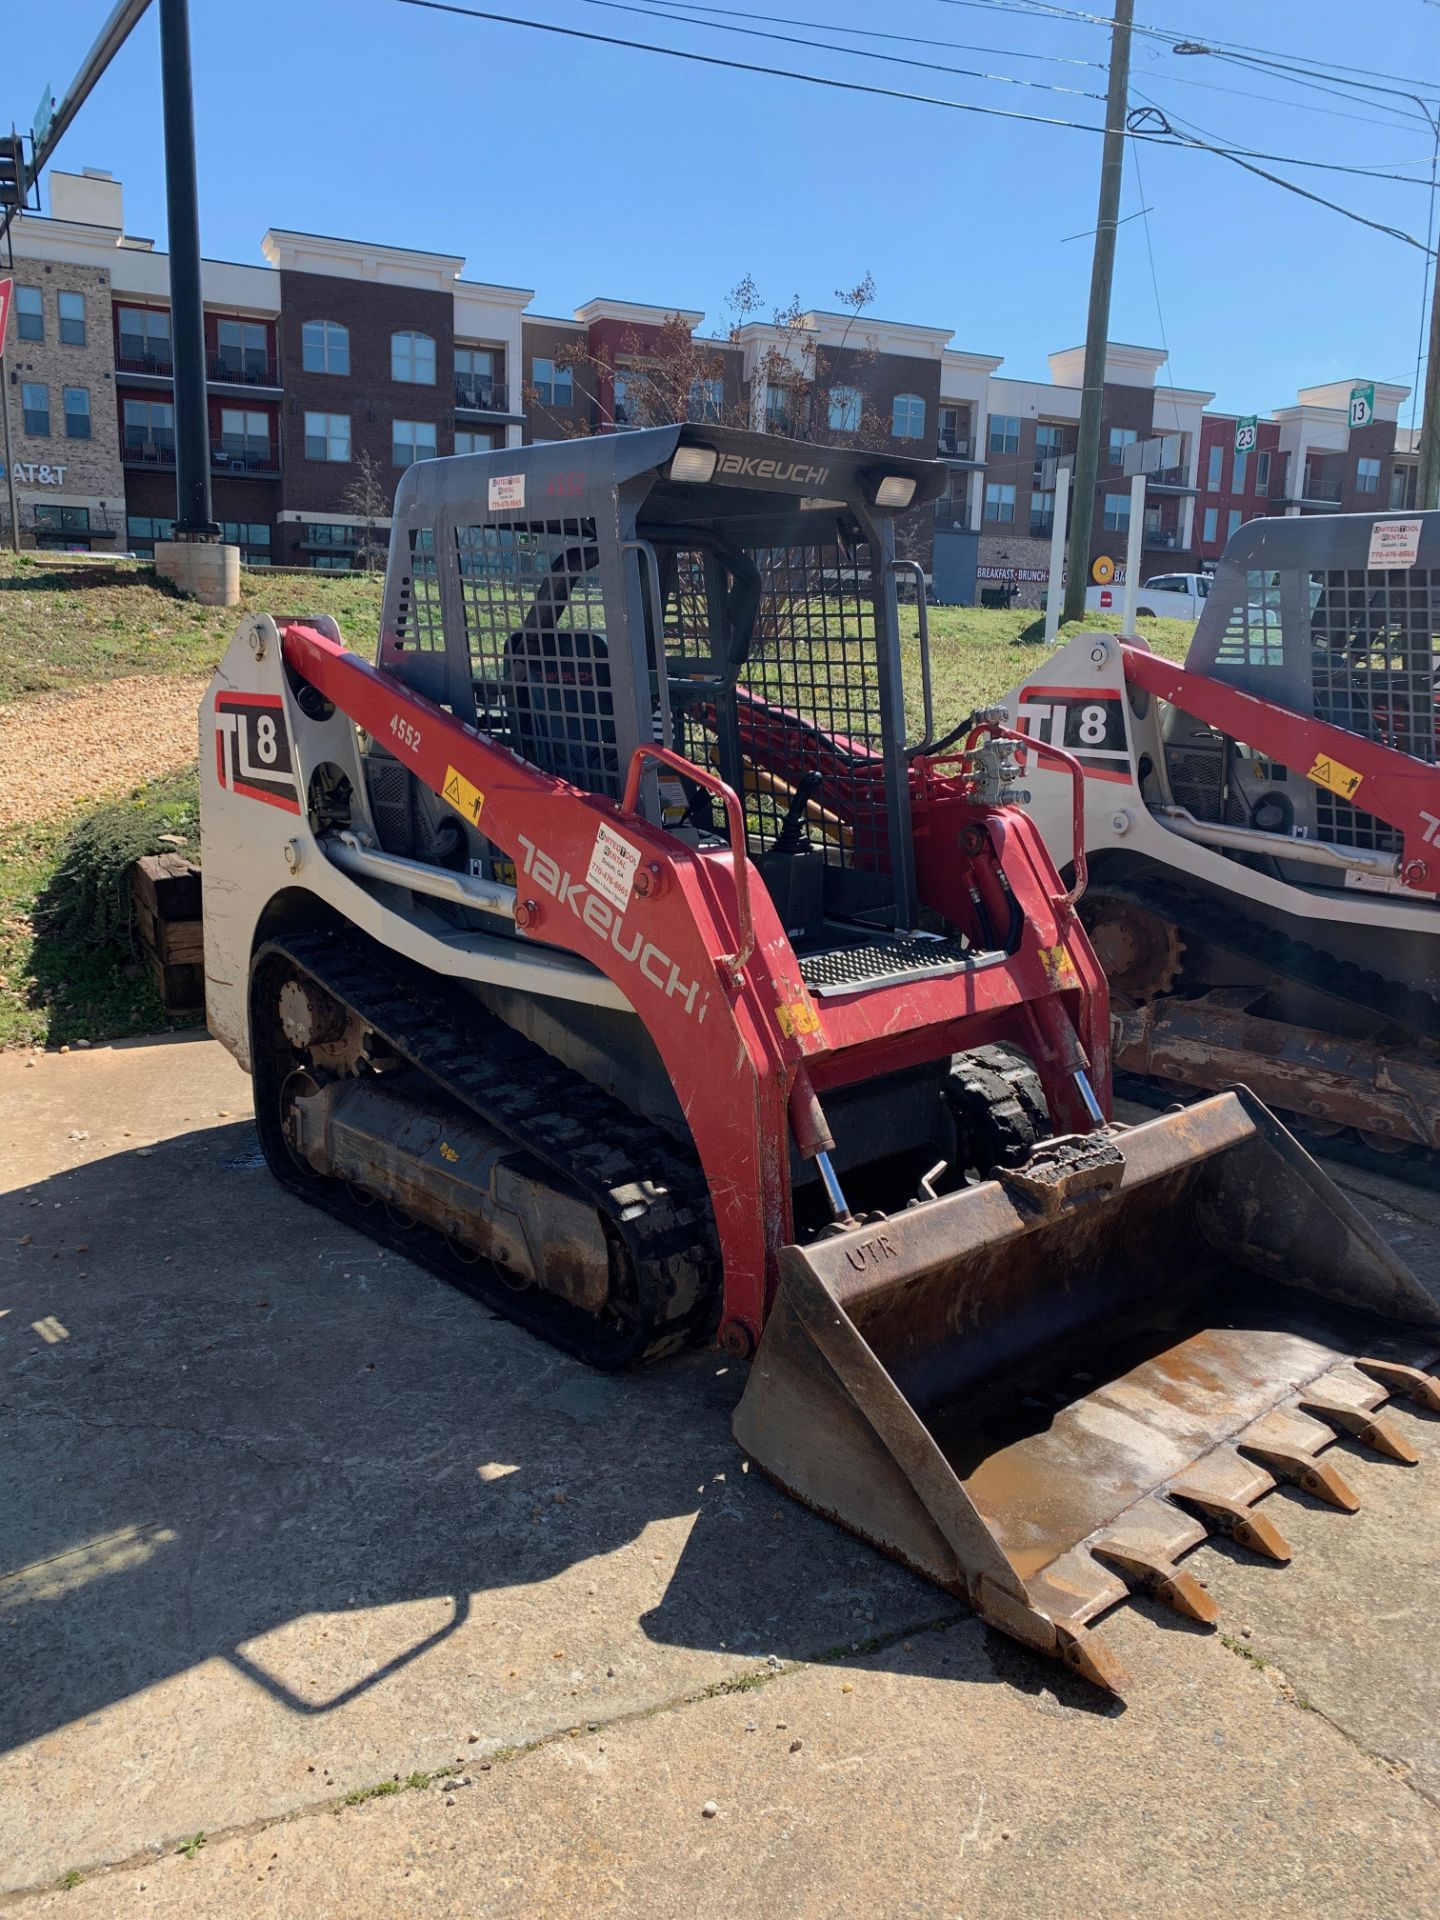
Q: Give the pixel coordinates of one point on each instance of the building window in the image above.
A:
(954, 433)
(142, 531)
(242, 350)
(1367, 476)
(332, 533)
(244, 437)
(252, 537)
(36, 403)
(779, 417)
(1214, 462)
(412, 359)
(475, 378)
(411, 440)
(1402, 487)
(77, 413)
(1262, 473)
(72, 319)
(29, 314)
(1004, 433)
(325, 347)
(1042, 514)
(999, 500)
(61, 519)
(327, 436)
(1212, 526)
(907, 417)
(145, 340)
(553, 385)
(1049, 445)
(1236, 517)
(1117, 512)
(1237, 472)
(1120, 439)
(707, 399)
(150, 430)
(474, 442)
(845, 405)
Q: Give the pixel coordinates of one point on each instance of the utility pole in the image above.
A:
(1097, 325)
(1427, 484)
(193, 516)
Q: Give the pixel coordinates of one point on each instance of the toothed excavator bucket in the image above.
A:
(1042, 1392)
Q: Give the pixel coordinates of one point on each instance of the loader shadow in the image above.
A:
(226, 1414)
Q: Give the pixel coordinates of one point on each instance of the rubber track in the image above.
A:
(1279, 953)
(637, 1176)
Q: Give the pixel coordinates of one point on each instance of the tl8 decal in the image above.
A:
(252, 749)
(1089, 725)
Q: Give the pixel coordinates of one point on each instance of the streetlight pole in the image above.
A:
(1097, 325)
(193, 516)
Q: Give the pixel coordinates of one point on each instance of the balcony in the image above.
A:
(1042, 525)
(146, 453)
(1165, 539)
(155, 362)
(479, 395)
(951, 516)
(1321, 490)
(1171, 480)
(261, 462)
(242, 370)
(954, 446)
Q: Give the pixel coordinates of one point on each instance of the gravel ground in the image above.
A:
(59, 749)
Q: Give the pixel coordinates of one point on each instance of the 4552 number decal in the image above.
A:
(252, 749)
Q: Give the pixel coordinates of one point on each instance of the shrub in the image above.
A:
(88, 897)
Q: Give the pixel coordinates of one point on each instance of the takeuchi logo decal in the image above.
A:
(604, 921)
(746, 466)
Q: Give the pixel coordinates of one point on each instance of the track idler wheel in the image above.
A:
(1140, 951)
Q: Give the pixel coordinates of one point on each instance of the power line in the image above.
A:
(907, 39)
(855, 53)
(1157, 135)
(1170, 79)
(1040, 10)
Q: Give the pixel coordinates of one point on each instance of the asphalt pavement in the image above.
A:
(325, 1591)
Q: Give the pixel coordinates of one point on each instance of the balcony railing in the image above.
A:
(156, 360)
(243, 369)
(1318, 487)
(480, 395)
(1042, 525)
(954, 446)
(1166, 537)
(245, 459)
(951, 515)
(146, 453)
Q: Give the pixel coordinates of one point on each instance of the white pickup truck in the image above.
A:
(1166, 596)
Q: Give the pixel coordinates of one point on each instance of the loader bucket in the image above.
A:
(1043, 1391)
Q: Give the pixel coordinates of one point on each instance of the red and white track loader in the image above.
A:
(603, 947)
(1262, 828)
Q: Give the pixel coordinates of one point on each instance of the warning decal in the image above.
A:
(1337, 778)
(463, 795)
(797, 1016)
(612, 867)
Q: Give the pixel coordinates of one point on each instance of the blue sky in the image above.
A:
(580, 169)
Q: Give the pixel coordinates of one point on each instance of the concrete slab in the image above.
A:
(288, 1519)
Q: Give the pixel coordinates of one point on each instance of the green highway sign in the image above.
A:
(1245, 433)
(1362, 405)
(44, 113)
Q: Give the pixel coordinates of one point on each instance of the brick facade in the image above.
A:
(57, 469)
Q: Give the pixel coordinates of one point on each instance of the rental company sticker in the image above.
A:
(1394, 543)
(507, 490)
(1339, 779)
(612, 867)
(463, 795)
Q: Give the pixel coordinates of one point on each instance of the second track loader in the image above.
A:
(603, 946)
(1262, 828)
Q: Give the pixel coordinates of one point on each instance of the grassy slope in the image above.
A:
(65, 622)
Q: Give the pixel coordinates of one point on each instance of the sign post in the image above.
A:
(7, 288)
(1362, 405)
(1132, 555)
(1246, 432)
(1055, 592)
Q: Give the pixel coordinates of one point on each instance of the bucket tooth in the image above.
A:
(1242, 1524)
(1161, 1579)
(1087, 1654)
(1370, 1429)
(1304, 1470)
(1405, 1383)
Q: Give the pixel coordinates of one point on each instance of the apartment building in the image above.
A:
(336, 363)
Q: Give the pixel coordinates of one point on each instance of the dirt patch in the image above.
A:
(59, 749)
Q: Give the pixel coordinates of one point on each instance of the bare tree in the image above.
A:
(368, 500)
